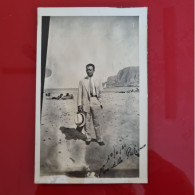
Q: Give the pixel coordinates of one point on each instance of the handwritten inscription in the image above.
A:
(119, 155)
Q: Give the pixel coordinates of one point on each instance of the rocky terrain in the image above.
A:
(126, 77)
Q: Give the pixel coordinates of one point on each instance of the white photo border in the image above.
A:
(143, 97)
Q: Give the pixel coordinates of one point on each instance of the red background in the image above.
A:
(170, 104)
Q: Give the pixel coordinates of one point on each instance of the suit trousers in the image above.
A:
(93, 116)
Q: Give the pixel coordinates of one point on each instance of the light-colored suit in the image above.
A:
(91, 105)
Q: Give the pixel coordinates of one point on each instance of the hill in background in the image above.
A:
(127, 77)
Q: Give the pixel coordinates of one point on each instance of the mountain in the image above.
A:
(128, 76)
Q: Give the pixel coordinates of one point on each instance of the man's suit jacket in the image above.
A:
(83, 97)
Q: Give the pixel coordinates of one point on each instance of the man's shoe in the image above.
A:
(87, 142)
(101, 143)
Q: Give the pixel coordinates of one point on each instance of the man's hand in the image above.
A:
(80, 108)
(101, 106)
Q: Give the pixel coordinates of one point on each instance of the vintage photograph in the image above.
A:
(91, 95)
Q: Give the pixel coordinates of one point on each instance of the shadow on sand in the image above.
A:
(72, 133)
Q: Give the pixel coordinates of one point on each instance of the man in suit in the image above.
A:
(89, 102)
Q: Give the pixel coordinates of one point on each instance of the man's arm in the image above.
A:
(100, 93)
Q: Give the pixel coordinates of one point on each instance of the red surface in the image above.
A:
(171, 98)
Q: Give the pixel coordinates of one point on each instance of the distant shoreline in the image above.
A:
(53, 89)
(105, 90)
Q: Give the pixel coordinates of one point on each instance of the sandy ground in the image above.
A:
(63, 148)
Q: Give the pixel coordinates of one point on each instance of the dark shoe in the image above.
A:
(87, 142)
(101, 143)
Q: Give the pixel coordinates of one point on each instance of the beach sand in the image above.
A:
(63, 148)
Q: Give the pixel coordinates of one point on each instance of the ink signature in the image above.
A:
(119, 155)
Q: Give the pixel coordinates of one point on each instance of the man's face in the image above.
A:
(90, 71)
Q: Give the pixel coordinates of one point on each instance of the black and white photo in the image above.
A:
(91, 95)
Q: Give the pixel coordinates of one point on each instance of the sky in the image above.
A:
(109, 42)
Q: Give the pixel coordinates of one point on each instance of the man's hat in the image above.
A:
(79, 119)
